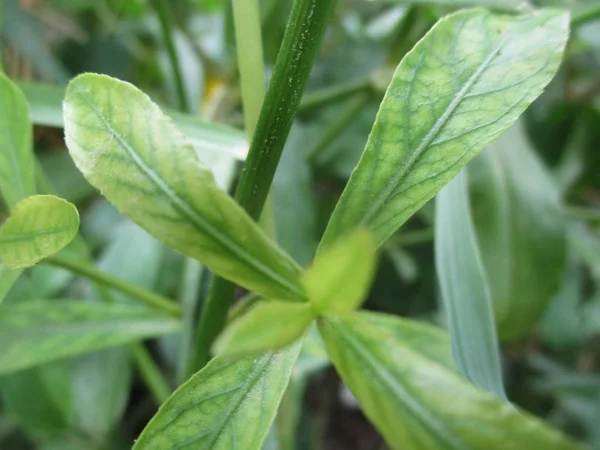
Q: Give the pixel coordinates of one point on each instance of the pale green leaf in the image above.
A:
(520, 230)
(465, 290)
(340, 278)
(460, 87)
(38, 227)
(267, 326)
(7, 279)
(37, 332)
(17, 167)
(208, 139)
(128, 149)
(226, 405)
(417, 402)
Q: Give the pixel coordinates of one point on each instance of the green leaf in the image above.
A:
(267, 326)
(7, 279)
(45, 103)
(465, 289)
(38, 227)
(226, 405)
(340, 278)
(520, 230)
(417, 402)
(128, 149)
(460, 87)
(37, 332)
(17, 167)
(504, 5)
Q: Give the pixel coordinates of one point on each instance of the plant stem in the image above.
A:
(304, 32)
(587, 15)
(246, 17)
(106, 279)
(334, 93)
(354, 107)
(150, 373)
(164, 17)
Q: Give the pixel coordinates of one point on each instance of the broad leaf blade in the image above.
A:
(37, 332)
(340, 278)
(268, 326)
(45, 103)
(520, 230)
(461, 86)
(17, 167)
(418, 403)
(126, 147)
(465, 289)
(226, 405)
(38, 227)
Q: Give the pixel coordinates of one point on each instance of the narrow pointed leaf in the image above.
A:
(339, 279)
(465, 290)
(267, 326)
(520, 229)
(128, 149)
(38, 227)
(17, 168)
(417, 402)
(37, 332)
(460, 87)
(226, 405)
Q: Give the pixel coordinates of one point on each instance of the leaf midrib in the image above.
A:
(435, 427)
(380, 201)
(19, 237)
(189, 212)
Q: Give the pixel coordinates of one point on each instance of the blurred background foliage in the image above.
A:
(98, 401)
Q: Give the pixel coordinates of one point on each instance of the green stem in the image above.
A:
(354, 107)
(150, 373)
(304, 32)
(106, 279)
(246, 17)
(164, 17)
(334, 93)
(587, 15)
